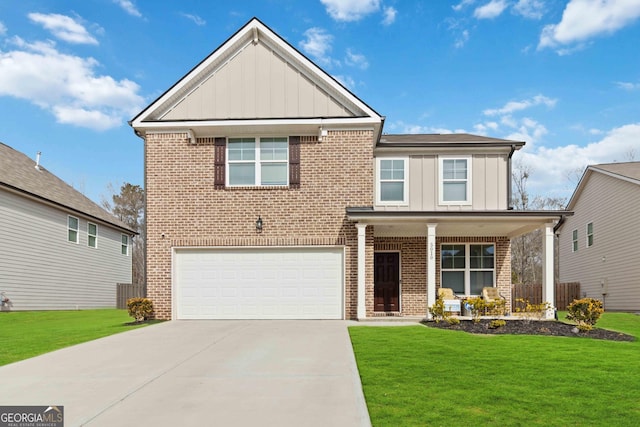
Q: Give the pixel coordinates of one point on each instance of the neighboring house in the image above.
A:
(58, 249)
(272, 192)
(600, 244)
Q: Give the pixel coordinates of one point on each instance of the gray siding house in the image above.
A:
(600, 244)
(58, 249)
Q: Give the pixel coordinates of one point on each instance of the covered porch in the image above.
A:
(404, 257)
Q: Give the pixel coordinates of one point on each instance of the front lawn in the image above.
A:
(26, 334)
(417, 376)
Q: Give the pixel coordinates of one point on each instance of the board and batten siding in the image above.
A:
(41, 270)
(612, 264)
(241, 90)
(489, 184)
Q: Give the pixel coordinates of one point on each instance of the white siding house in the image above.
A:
(600, 244)
(58, 249)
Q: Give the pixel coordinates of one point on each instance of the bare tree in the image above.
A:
(526, 250)
(129, 207)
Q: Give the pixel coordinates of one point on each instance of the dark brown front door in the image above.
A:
(386, 281)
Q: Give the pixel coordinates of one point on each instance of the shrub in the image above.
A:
(497, 323)
(452, 320)
(439, 313)
(585, 312)
(477, 306)
(140, 308)
(531, 311)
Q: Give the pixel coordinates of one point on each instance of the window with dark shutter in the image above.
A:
(294, 162)
(219, 163)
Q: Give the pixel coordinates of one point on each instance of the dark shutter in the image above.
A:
(294, 162)
(220, 147)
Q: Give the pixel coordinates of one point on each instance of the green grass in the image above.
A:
(25, 334)
(417, 376)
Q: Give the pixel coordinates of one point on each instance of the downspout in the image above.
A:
(509, 171)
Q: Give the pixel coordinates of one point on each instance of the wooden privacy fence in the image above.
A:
(565, 293)
(126, 291)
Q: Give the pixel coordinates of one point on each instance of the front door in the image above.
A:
(386, 281)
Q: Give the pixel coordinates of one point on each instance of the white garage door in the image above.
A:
(259, 283)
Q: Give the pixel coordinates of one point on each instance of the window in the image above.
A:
(92, 235)
(590, 234)
(467, 268)
(455, 182)
(574, 241)
(125, 245)
(392, 185)
(258, 162)
(72, 229)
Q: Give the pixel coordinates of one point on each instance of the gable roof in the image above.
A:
(18, 173)
(253, 80)
(625, 171)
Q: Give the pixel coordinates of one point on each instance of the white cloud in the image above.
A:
(356, 60)
(532, 9)
(346, 81)
(128, 7)
(409, 128)
(552, 165)
(462, 39)
(628, 85)
(350, 10)
(69, 89)
(3, 29)
(464, 3)
(317, 43)
(389, 15)
(63, 27)
(195, 18)
(513, 106)
(490, 10)
(585, 19)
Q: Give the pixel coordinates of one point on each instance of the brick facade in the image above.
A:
(184, 208)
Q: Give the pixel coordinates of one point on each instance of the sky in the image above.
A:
(561, 75)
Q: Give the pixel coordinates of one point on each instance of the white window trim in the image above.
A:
(574, 241)
(89, 235)
(257, 162)
(128, 244)
(405, 194)
(467, 265)
(587, 234)
(469, 180)
(77, 230)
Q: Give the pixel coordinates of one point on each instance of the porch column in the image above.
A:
(548, 282)
(431, 267)
(362, 305)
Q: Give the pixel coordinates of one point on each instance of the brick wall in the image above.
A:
(413, 268)
(184, 209)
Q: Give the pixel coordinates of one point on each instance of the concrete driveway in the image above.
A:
(199, 373)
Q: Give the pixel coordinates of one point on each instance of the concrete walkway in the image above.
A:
(199, 373)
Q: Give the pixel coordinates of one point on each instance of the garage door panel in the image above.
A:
(259, 283)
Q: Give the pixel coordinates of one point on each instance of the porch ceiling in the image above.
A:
(455, 224)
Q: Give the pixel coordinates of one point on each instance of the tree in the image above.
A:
(526, 250)
(129, 207)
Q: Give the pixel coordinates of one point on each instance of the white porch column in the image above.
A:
(431, 267)
(362, 304)
(548, 282)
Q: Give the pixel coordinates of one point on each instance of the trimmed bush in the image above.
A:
(585, 312)
(140, 309)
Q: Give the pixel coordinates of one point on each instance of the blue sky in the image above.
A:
(564, 76)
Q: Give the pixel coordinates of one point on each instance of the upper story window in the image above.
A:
(392, 181)
(124, 247)
(258, 161)
(72, 229)
(455, 180)
(92, 235)
(590, 234)
(574, 241)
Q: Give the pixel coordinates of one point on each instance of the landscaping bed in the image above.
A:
(534, 327)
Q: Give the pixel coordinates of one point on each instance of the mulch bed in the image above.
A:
(520, 327)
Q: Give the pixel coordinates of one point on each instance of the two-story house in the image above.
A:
(272, 192)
